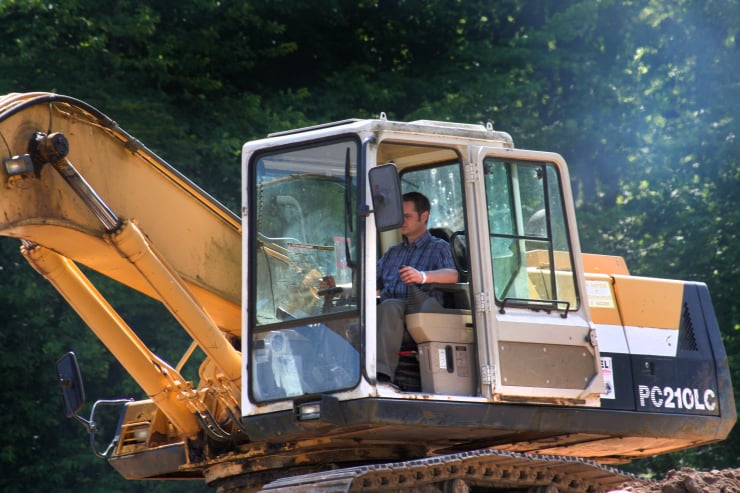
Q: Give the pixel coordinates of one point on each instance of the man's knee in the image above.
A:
(391, 308)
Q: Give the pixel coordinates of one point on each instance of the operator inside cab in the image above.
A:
(418, 260)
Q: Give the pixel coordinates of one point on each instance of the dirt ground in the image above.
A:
(692, 481)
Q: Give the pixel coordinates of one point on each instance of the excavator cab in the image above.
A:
(311, 245)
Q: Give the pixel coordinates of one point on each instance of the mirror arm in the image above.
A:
(364, 210)
(92, 427)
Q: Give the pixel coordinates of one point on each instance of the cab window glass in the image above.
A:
(304, 312)
(441, 185)
(531, 254)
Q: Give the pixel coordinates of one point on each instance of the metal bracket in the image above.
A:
(482, 301)
(487, 374)
(592, 338)
(470, 172)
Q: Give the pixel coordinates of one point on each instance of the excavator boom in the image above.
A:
(88, 203)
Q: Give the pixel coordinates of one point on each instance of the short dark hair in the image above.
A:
(421, 202)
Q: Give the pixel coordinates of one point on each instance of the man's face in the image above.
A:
(414, 224)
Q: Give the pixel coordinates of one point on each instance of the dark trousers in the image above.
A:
(391, 328)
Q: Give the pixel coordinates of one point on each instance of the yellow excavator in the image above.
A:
(542, 369)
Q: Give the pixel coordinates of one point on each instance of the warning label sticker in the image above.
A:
(442, 359)
(607, 371)
(599, 294)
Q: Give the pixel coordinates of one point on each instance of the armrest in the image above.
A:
(459, 294)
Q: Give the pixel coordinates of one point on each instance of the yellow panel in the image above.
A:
(647, 302)
(541, 258)
(539, 285)
(604, 264)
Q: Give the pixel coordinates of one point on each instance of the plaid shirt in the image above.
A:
(426, 253)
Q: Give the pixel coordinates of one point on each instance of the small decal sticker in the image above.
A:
(599, 294)
(442, 359)
(607, 371)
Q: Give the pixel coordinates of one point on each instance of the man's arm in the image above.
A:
(409, 275)
(444, 276)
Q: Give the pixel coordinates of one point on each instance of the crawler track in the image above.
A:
(485, 470)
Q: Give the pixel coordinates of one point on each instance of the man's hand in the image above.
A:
(409, 275)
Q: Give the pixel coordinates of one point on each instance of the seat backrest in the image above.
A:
(456, 296)
(442, 233)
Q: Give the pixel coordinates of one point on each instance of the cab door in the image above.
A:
(528, 281)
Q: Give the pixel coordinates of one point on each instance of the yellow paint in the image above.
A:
(136, 185)
(157, 379)
(647, 302)
(604, 264)
(176, 244)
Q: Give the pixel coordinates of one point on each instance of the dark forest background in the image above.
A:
(639, 96)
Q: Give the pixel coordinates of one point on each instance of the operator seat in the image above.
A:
(446, 327)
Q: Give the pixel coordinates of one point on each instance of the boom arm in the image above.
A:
(114, 206)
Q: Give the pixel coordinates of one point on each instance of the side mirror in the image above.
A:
(385, 189)
(70, 380)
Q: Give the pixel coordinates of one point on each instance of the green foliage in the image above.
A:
(640, 97)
